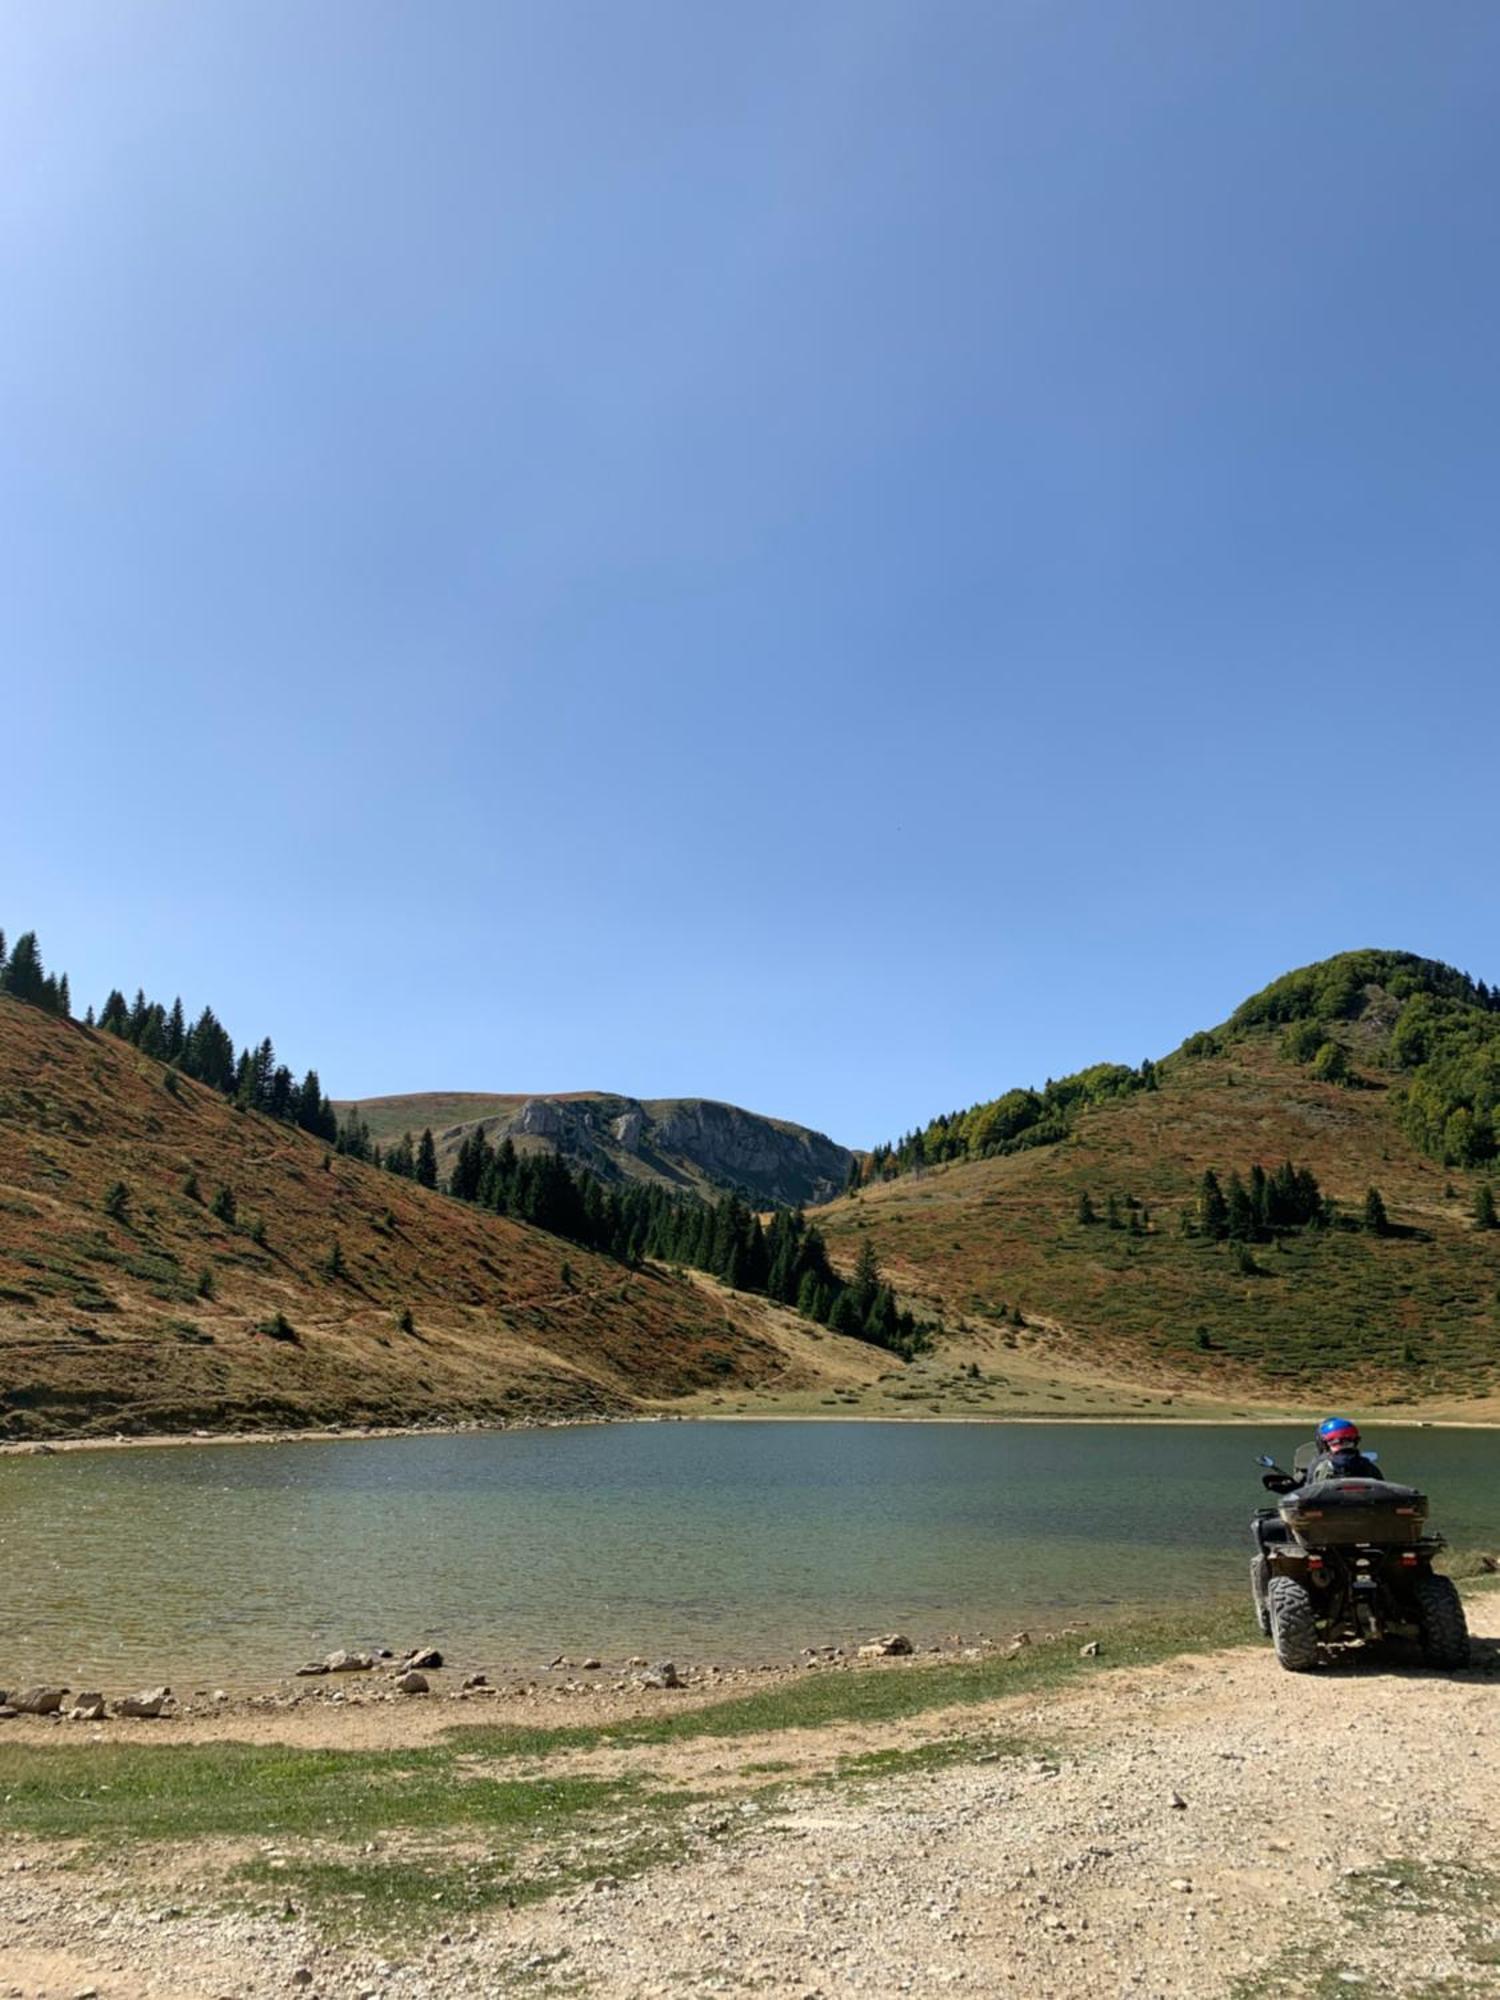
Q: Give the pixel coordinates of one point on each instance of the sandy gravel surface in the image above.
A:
(1206, 1827)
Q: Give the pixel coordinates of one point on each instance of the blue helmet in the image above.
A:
(1338, 1434)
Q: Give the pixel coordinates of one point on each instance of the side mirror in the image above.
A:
(1373, 1457)
(1268, 1463)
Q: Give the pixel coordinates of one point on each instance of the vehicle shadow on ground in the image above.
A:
(1400, 1663)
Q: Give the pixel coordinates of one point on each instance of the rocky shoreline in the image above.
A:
(351, 1679)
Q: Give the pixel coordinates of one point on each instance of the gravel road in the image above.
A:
(1210, 1826)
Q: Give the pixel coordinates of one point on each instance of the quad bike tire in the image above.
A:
(1258, 1595)
(1294, 1624)
(1442, 1628)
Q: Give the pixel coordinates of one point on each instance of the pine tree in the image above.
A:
(1484, 1207)
(427, 1167)
(207, 1054)
(256, 1079)
(866, 1281)
(1376, 1220)
(176, 1032)
(1260, 1198)
(64, 998)
(1240, 1217)
(880, 1320)
(1213, 1210)
(846, 1316)
(152, 1039)
(1086, 1213)
(278, 1102)
(24, 977)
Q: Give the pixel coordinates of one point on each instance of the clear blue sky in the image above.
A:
(838, 556)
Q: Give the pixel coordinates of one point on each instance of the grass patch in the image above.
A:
(127, 1792)
(888, 1695)
(939, 1755)
(464, 1841)
(1459, 1903)
(396, 1895)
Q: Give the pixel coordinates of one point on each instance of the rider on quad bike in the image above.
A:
(1338, 1457)
(1346, 1559)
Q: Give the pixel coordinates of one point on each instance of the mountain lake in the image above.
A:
(230, 1565)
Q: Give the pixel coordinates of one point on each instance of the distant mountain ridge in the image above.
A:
(696, 1145)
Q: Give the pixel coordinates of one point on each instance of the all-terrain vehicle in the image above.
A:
(1348, 1562)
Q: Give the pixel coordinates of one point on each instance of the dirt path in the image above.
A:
(1207, 1827)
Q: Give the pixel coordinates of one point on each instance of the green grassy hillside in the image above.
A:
(1411, 1315)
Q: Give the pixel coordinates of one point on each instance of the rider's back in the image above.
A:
(1343, 1465)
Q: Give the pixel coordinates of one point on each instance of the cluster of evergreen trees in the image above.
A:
(1007, 1124)
(1119, 1213)
(785, 1259)
(24, 977)
(1288, 1198)
(203, 1051)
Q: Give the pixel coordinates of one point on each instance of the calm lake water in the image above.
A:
(228, 1566)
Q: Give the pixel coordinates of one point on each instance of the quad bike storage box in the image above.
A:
(1337, 1512)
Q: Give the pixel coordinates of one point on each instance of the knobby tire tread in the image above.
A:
(1294, 1624)
(1440, 1620)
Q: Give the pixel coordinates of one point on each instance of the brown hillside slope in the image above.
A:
(108, 1322)
(1412, 1318)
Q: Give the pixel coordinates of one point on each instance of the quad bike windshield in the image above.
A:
(1337, 1513)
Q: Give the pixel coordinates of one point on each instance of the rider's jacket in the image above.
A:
(1342, 1465)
